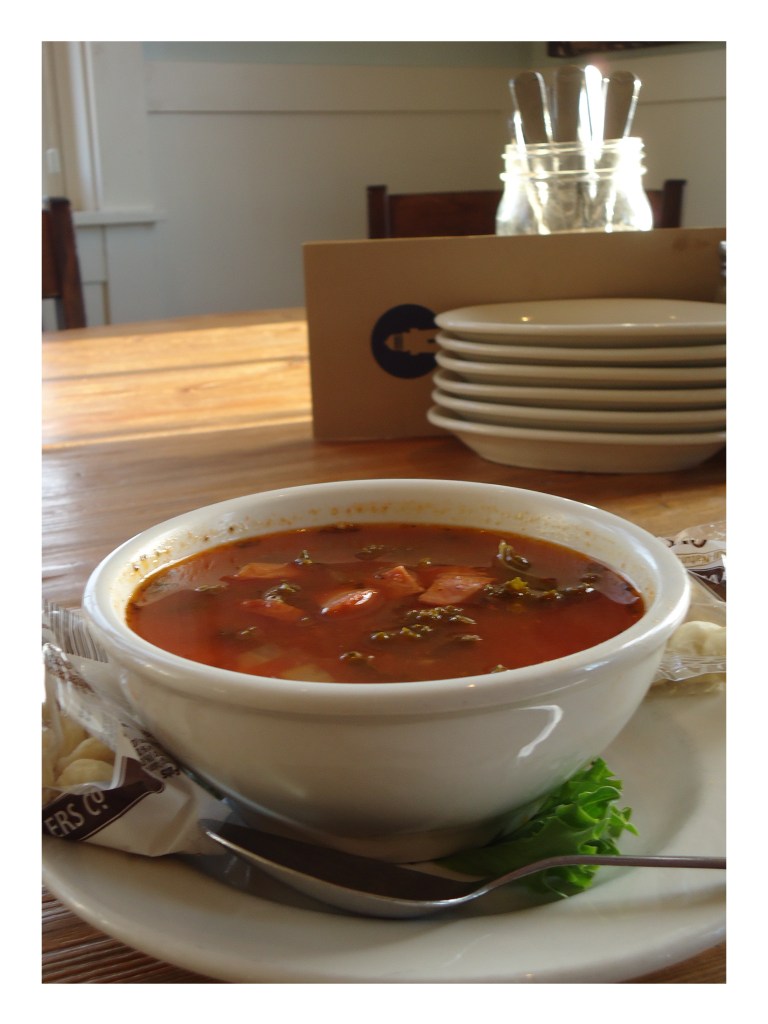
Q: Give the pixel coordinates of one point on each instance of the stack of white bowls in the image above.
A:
(589, 385)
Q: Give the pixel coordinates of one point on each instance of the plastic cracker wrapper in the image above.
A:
(105, 780)
(695, 657)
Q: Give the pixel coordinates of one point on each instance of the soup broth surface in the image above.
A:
(371, 603)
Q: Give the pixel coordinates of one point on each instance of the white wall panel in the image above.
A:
(243, 192)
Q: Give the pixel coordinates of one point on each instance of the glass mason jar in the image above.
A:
(574, 187)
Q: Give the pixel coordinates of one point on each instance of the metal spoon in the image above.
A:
(621, 95)
(530, 95)
(569, 83)
(379, 889)
(593, 92)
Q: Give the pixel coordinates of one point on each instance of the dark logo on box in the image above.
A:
(403, 341)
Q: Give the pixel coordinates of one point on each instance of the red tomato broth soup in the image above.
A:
(372, 603)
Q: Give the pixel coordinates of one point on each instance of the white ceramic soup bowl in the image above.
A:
(404, 771)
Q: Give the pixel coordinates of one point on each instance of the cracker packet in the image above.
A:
(105, 780)
(695, 657)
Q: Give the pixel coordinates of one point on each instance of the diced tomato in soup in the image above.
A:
(373, 603)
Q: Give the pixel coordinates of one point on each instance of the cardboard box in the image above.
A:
(370, 306)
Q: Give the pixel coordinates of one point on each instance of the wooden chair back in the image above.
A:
(61, 268)
(667, 203)
(421, 214)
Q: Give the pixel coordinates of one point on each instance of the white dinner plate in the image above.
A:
(671, 757)
(638, 422)
(588, 376)
(580, 451)
(604, 321)
(581, 397)
(669, 355)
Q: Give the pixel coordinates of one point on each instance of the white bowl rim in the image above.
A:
(713, 352)
(449, 420)
(641, 398)
(479, 318)
(630, 376)
(509, 414)
(455, 694)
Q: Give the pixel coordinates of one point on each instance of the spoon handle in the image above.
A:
(621, 94)
(608, 859)
(569, 82)
(381, 889)
(531, 98)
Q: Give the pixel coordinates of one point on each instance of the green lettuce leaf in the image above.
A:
(580, 816)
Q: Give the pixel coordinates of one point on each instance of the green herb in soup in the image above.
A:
(371, 603)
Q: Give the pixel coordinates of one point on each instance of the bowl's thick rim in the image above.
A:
(432, 696)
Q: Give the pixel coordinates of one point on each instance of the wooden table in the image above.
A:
(144, 421)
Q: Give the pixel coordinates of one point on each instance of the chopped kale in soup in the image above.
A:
(369, 603)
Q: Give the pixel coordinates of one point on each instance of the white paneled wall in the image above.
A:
(252, 160)
(205, 177)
